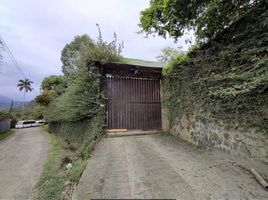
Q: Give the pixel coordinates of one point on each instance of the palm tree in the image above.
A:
(25, 85)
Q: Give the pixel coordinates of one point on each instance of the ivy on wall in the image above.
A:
(226, 78)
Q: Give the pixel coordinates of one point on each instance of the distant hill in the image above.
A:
(5, 102)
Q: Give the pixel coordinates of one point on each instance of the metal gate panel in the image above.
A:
(133, 103)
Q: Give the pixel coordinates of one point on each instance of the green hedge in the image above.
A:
(79, 131)
(83, 134)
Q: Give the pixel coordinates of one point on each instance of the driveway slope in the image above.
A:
(21, 158)
(160, 166)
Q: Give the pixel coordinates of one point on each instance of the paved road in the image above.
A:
(21, 158)
(160, 166)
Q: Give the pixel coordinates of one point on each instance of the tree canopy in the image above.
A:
(71, 53)
(206, 17)
(167, 54)
(55, 83)
(45, 98)
(98, 50)
(25, 85)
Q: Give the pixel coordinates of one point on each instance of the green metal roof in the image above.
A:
(142, 63)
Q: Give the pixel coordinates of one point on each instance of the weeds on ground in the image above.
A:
(55, 175)
(5, 134)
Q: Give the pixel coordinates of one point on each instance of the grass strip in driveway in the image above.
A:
(5, 134)
(52, 183)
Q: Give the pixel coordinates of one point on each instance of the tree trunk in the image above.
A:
(23, 100)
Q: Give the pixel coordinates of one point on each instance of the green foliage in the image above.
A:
(225, 79)
(51, 86)
(180, 57)
(25, 85)
(81, 131)
(4, 115)
(20, 113)
(71, 53)
(51, 183)
(105, 52)
(55, 83)
(75, 140)
(78, 114)
(38, 112)
(168, 54)
(82, 99)
(45, 97)
(206, 18)
(84, 46)
(5, 134)
(85, 94)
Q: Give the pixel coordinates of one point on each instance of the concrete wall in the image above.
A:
(207, 134)
(4, 125)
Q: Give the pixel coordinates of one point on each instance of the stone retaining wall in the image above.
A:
(207, 134)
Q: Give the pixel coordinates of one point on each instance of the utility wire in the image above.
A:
(12, 57)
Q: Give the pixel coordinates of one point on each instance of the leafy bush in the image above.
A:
(58, 84)
(4, 116)
(71, 114)
(182, 56)
(84, 50)
(38, 112)
(45, 98)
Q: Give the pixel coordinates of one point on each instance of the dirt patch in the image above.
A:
(69, 188)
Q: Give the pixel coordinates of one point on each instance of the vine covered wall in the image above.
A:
(222, 82)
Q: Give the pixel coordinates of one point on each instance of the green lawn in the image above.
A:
(5, 134)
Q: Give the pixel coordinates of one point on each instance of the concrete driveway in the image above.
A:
(160, 166)
(21, 158)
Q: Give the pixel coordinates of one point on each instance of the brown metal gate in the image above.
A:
(133, 103)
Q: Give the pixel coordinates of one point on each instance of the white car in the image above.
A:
(40, 123)
(26, 124)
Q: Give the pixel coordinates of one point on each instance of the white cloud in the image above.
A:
(36, 32)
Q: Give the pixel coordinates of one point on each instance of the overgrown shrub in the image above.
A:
(79, 113)
(4, 115)
(225, 79)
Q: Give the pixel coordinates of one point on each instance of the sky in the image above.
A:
(37, 31)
